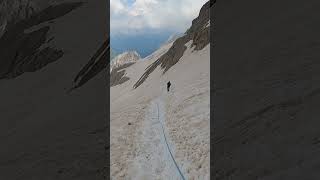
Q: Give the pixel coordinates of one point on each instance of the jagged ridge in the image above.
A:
(199, 34)
(124, 58)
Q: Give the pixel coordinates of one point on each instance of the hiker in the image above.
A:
(168, 86)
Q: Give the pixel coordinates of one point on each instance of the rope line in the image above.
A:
(165, 138)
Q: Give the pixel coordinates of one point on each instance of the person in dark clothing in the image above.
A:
(168, 86)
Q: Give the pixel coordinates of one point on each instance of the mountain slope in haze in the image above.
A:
(173, 37)
(144, 43)
(198, 33)
(113, 54)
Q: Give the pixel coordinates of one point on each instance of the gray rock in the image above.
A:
(117, 75)
(198, 33)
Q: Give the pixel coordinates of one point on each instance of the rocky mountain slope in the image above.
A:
(124, 58)
(266, 90)
(118, 65)
(157, 134)
(198, 33)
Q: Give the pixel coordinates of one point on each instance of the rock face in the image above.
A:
(118, 65)
(124, 58)
(12, 11)
(26, 45)
(198, 33)
(266, 91)
(117, 75)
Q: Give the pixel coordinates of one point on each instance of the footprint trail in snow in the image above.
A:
(155, 158)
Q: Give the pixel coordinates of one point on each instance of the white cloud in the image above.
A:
(116, 7)
(157, 15)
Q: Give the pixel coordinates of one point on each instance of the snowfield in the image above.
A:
(157, 134)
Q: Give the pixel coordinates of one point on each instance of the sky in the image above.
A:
(143, 25)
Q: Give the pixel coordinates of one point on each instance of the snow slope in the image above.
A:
(147, 123)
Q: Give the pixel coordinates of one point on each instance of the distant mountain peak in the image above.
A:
(173, 37)
(124, 58)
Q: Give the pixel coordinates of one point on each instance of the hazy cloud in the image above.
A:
(139, 16)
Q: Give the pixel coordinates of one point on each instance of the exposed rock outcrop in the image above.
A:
(118, 65)
(24, 49)
(124, 58)
(198, 33)
(117, 75)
